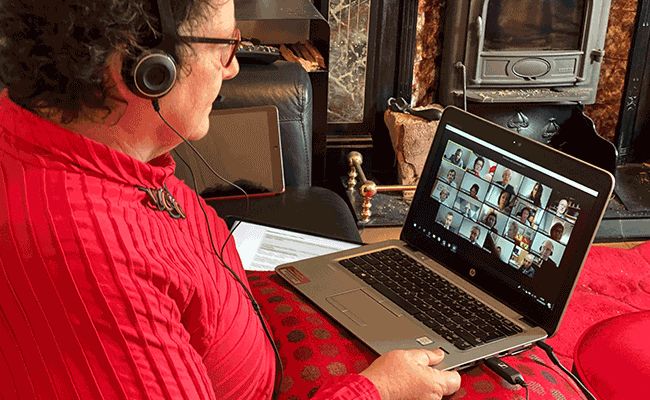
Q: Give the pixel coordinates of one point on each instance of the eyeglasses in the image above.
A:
(226, 55)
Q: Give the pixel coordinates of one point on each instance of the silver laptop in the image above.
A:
(489, 253)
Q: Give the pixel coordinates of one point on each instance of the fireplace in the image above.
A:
(530, 51)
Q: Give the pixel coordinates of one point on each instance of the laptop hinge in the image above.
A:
(528, 322)
(419, 253)
(411, 247)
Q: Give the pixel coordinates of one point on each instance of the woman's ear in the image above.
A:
(120, 87)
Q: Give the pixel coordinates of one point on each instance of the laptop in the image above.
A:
(489, 253)
(257, 169)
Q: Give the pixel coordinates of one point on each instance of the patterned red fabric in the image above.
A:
(314, 349)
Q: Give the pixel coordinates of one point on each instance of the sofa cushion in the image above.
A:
(314, 349)
(612, 357)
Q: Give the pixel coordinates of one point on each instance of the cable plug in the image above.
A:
(505, 371)
(548, 350)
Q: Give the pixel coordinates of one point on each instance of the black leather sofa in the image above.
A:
(302, 206)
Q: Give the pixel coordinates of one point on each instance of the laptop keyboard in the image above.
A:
(450, 312)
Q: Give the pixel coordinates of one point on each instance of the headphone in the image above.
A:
(153, 73)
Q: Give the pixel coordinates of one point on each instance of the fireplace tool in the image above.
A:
(368, 188)
(401, 105)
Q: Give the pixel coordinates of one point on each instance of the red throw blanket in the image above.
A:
(612, 282)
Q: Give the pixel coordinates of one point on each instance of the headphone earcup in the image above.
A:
(152, 75)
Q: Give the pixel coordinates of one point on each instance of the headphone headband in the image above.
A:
(167, 27)
(153, 74)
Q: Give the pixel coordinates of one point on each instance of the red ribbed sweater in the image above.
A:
(102, 296)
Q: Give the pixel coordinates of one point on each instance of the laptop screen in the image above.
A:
(517, 223)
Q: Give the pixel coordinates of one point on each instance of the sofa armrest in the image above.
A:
(310, 209)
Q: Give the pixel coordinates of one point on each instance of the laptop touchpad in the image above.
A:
(362, 308)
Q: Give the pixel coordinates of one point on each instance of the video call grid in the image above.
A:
(527, 224)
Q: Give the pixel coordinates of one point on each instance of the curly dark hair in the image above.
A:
(54, 54)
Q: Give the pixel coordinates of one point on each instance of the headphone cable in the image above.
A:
(551, 355)
(256, 307)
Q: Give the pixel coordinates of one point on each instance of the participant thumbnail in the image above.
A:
(450, 174)
(480, 166)
(563, 206)
(525, 213)
(520, 234)
(499, 246)
(501, 199)
(507, 179)
(449, 219)
(467, 206)
(492, 219)
(473, 232)
(456, 154)
(534, 192)
(556, 228)
(522, 260)
(474, 186)
(444, 193)
(549, 251)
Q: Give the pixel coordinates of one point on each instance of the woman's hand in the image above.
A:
(408, 374)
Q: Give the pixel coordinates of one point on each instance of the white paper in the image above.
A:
(263, 248)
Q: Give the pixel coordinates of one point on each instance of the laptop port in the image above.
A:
(465, 366)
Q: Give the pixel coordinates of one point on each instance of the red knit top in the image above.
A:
(103, 296)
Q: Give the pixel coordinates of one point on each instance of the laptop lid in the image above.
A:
(510, 215)
(243, 145)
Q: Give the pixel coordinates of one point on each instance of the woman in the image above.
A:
(557, 231)
(524, 216)
(491, 220)
(504, 201)
(478, 166)
(105, 295)
(473, 191)
(536, 194)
